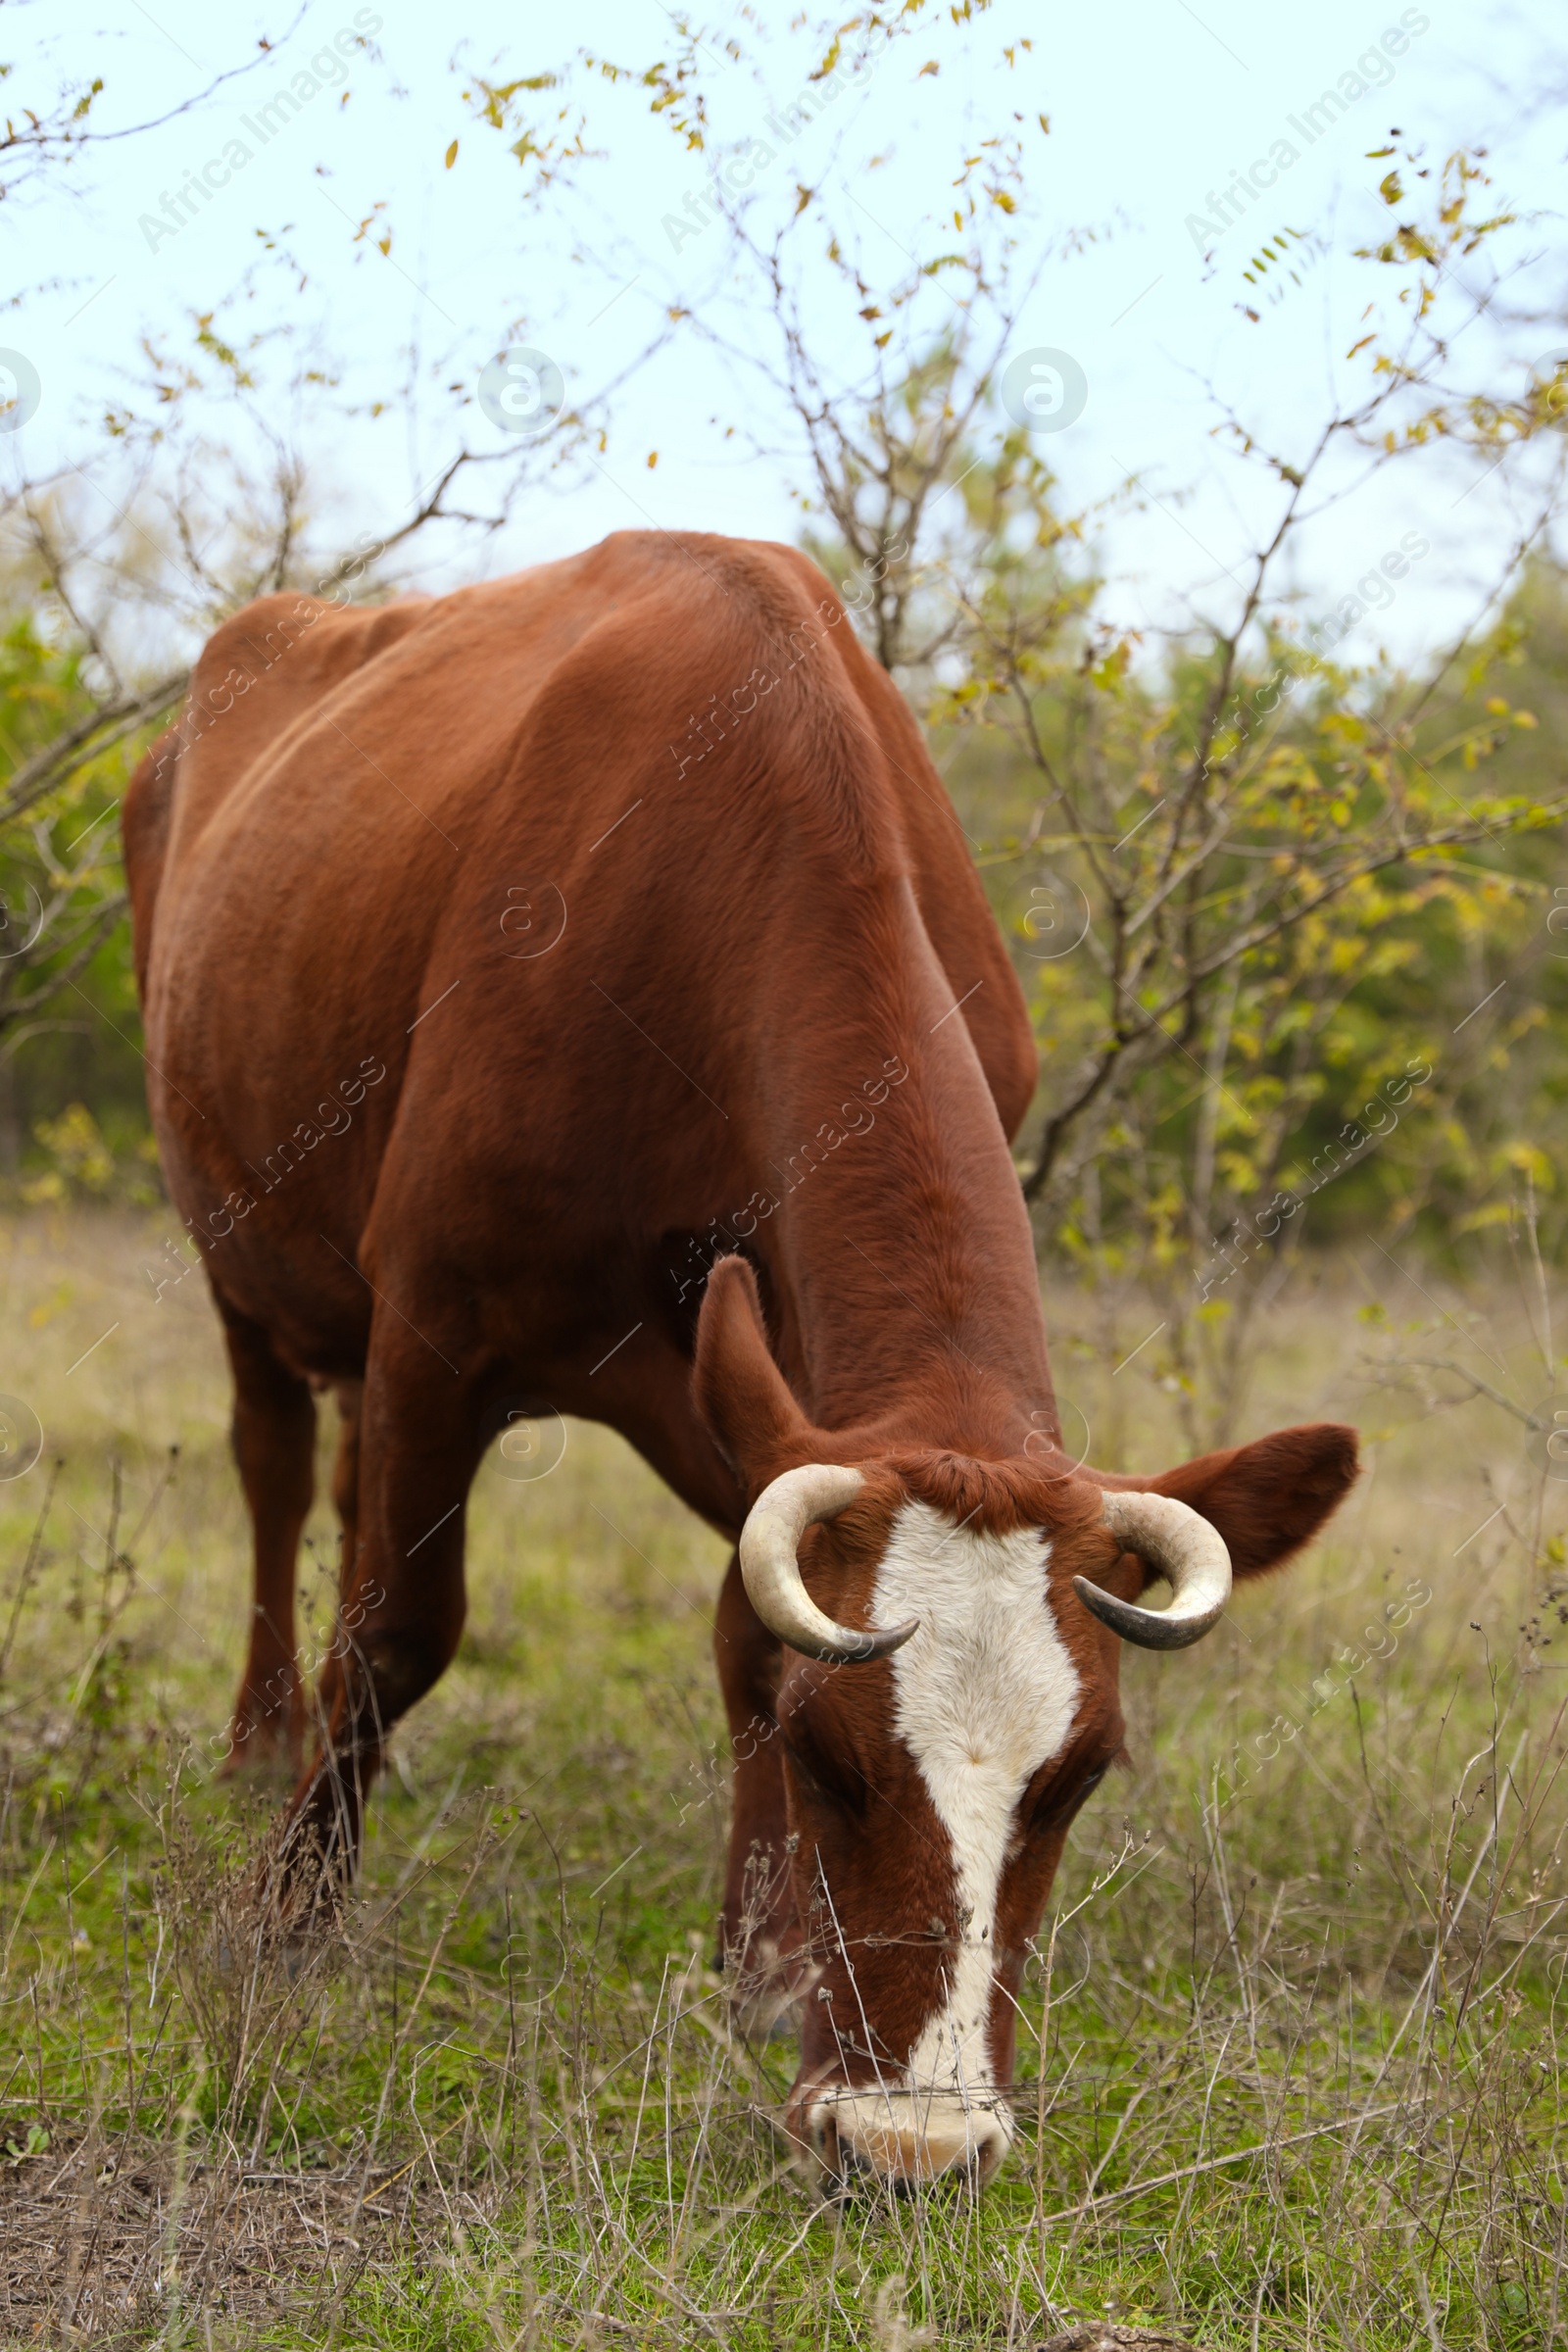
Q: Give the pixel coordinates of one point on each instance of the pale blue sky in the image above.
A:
(1152, 107)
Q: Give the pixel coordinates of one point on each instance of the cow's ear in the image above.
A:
(1267, 1498)
(743, 1396)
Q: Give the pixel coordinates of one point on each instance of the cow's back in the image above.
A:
(360, 797)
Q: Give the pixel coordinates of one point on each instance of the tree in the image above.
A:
(38, 141)
(1223, 859)
(199, 493)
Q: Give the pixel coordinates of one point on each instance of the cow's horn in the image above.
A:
(1186, 1549)
(774, 1585)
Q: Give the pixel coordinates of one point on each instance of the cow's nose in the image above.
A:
(905, 2138)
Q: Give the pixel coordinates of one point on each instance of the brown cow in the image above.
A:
(506, 959)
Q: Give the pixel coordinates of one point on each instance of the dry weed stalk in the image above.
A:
(1291, 2050)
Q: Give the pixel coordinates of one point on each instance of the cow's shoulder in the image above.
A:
(848, 744)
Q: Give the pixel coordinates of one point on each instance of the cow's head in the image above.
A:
(952, 1631)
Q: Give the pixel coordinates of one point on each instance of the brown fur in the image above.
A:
(754, 999)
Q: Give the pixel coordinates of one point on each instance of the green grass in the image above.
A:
(1301, 2082)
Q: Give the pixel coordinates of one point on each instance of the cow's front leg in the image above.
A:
(416, 1441)
(758, 1933)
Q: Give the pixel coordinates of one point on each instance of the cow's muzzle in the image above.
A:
(904, 2139)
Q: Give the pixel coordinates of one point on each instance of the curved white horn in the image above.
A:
(1186, 1549)
(774, 1585)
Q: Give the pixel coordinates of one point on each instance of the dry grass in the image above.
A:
(1300, 2081)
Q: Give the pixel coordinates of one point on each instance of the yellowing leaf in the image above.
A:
(452, 155)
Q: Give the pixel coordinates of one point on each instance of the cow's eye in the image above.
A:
(1059, 1801)
(825, 1774)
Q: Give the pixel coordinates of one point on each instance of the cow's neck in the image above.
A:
(900, 1256)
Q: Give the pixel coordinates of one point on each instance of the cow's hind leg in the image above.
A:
(346, 1478)
(274, 1446)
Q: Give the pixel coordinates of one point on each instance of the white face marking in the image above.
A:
(985, 1694)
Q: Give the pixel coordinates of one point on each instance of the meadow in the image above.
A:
(1291, 2069)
